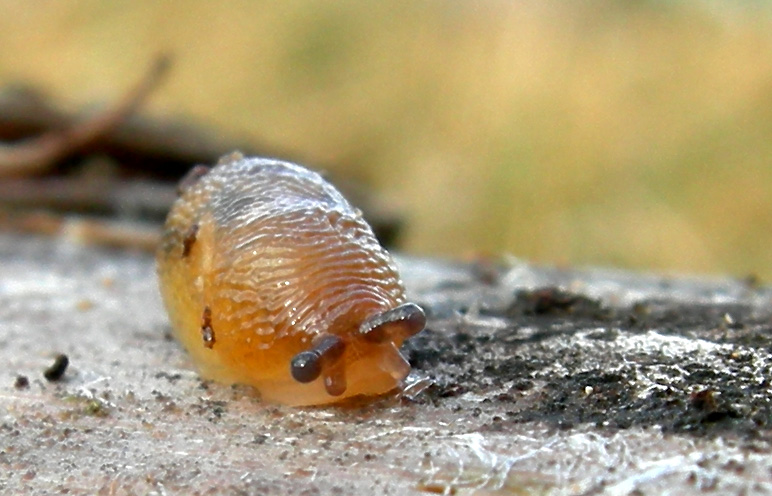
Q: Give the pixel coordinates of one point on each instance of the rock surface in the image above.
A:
(527, 381)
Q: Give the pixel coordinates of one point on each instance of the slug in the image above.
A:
(272, 279)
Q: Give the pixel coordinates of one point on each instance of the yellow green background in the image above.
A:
(618, 133)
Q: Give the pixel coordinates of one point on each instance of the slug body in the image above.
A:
(272, 279)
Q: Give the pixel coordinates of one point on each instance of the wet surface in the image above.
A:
(543, 381)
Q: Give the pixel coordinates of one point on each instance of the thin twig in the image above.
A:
(37, 154)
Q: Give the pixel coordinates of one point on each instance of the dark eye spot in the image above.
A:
(305, 367)
(189, 240)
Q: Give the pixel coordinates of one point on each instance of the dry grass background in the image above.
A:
(634, 134)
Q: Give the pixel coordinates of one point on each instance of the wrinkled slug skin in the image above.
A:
(276, 256)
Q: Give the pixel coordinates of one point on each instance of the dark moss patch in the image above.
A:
(568, 359)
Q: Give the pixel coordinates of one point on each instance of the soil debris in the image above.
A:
(21, 382)
(56, 371)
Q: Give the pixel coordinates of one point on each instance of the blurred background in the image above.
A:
(618, 133)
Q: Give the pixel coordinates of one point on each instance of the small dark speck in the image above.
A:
(169, 377)
(57, 369)
(189, 240)
(22, 382)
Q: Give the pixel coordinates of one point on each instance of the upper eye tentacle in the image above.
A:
(396, 324)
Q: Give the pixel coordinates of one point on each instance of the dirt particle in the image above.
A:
(21, 382)
(172, 378)
(752, 281)
(56, 371)
(704, 399)
(734, 466)
(84, 305)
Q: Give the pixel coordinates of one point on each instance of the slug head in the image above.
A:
(366, 361)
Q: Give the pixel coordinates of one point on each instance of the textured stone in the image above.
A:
(540, 381)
